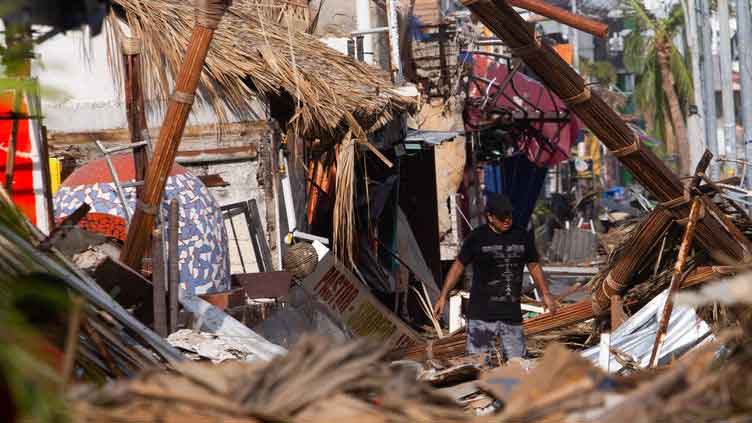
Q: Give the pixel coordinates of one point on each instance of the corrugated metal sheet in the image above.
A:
(636, 336)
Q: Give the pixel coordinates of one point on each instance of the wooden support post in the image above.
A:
(135, 107)
(208, 15)
(158, 280)
(720, 238)
(174, 264)
(676, 277)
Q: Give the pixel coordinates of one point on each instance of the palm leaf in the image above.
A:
(635, 56)
(682, 75)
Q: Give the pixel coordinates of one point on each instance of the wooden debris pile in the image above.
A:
(90, 331)
(315, 382)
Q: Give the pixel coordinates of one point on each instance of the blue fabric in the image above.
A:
(520, 180)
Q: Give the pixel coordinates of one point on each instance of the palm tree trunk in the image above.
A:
(677, 118)
(670, 140)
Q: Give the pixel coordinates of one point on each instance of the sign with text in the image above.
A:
(351, 302)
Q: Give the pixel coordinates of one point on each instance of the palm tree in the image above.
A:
(664, 83)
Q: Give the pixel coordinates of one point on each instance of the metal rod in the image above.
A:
(116, 181)
(376, 30)
(125, 147)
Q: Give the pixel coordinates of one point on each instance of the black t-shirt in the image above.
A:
(498, 262)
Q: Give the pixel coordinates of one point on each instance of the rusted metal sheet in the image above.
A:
(265, 284)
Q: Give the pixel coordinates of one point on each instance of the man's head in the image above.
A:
(499, 212)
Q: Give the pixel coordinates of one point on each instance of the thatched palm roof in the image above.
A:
(255, 56)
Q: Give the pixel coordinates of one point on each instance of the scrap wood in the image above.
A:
(559, 375)
(17, 235)
(560, 15)
(315, 382)
(676, 277)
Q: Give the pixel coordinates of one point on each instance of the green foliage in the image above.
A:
(28, 297)
(601, 71)
(641, 58)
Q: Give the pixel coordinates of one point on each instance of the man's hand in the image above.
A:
(438, 308)
(551, 304)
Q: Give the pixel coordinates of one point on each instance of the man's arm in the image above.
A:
(536, 271)
(455, 272)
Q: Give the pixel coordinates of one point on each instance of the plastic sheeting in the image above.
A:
(636, 336)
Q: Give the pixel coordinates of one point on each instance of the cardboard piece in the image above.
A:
(348, 300)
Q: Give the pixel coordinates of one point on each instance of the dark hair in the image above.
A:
(499, 205)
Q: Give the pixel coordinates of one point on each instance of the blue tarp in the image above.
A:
(520, 180)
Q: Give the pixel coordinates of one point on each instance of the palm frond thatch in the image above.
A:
(252, 56)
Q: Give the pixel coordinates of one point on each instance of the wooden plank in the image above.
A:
(264, 284)
(173, 260)
(250, 129)
(158, 280)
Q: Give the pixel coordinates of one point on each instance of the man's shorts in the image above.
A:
(481, 336)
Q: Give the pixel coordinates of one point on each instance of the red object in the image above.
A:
(560, 135)
(22, 190)
(106, 224)
(96, 171)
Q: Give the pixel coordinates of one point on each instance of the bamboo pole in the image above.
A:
(722, 239)
(641, 247)
(579, 22)
(208, 15)
(676, 278)
(135, 107)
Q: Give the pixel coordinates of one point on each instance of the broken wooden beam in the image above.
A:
(579, 22)
(676, 278)
(716, 233)
(208, 15)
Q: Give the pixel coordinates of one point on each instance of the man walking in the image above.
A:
(498, 251)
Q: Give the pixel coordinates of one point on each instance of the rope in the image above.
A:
(630, 149)
(182, 97)
(209, 12)
(579, 98)
(130, 46)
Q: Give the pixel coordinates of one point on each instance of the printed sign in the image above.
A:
(351, 302)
